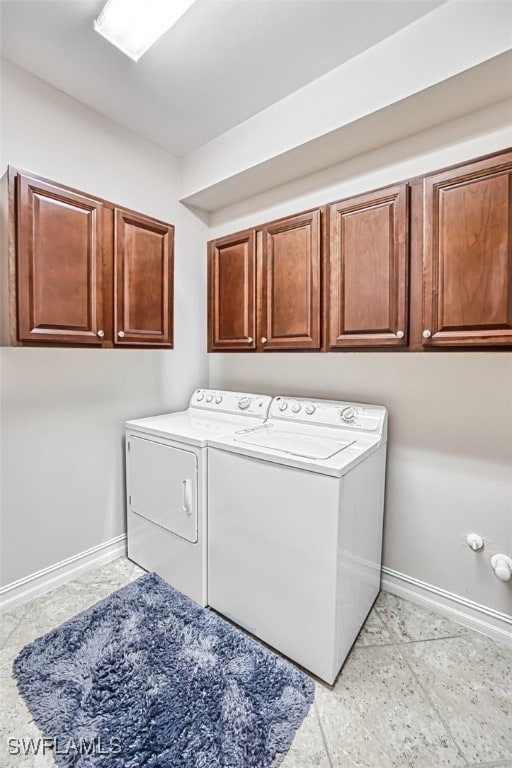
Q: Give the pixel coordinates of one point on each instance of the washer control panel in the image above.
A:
(241, 403)
(330, 413)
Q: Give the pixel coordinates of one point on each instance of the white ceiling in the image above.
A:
(223, 62)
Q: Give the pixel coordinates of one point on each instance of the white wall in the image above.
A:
(450, 414)
(430, 58)
(62, 411)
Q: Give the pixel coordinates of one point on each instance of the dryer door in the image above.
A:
(162, 485)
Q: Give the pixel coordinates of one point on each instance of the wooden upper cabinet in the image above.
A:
(143, 278)
(368, 269)
(82, 271)
(467, 257)
(290, 290)
(231, 293)
(59, 264)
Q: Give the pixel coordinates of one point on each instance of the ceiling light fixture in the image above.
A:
(134, 25)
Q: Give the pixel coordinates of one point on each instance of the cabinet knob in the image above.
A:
(100, 333)
(427, 334)
(399, 334)
(120, 334)
(250, 340)
(264, 339)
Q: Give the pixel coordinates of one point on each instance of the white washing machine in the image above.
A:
(166, 475)
(295, 510)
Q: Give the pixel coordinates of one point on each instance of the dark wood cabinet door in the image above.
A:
(143, 281)
(467, 257)
(59, 264)
(291, 273)
(231, 293)
(368, 270)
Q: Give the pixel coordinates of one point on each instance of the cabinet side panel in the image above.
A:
(5, 288)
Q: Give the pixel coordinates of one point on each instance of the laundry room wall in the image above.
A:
(450, 414)
(62, 410)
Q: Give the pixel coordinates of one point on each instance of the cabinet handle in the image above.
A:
(121, 334)
(399, 334)
(427, 334)
(100, 333)
(264, 339)
(250, 340)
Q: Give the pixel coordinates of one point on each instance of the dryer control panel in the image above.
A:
(224, 401)
(360, 417)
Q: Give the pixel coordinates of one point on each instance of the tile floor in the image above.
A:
(417, 690)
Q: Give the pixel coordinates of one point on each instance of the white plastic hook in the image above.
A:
(502, 565)
(475, 541)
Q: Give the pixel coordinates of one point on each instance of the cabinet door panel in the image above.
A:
(143, 281)
(368, 260)
(291, 275)
(468, 255)
(59, 264)
(231, 277)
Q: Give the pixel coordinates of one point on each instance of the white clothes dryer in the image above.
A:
(295, 510)
(166, 475)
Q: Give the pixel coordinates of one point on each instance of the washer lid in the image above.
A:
(307, 446)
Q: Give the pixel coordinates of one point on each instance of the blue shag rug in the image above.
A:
(147, 678)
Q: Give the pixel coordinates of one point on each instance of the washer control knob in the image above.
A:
(199, 396)
(283, 405)
(310, 409)
(244, 403)
(209, 398)
(218, 399)
(348, 414)
(296, 407)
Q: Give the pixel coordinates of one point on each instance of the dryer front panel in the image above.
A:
(162, 485)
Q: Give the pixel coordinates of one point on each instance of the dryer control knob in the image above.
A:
(296, 407)
(199, 396)
(218, 399)
(310, 409)
(283, 406)
(244, 403)
(209, 398)
(348, 414)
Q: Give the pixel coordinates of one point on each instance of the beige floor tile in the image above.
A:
(374, 632)
(308, 748)
(378, 717)
(9, 620)
(407, 622)
(469, 680)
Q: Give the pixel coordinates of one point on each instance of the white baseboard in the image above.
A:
(48, 578)
(474, 615)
